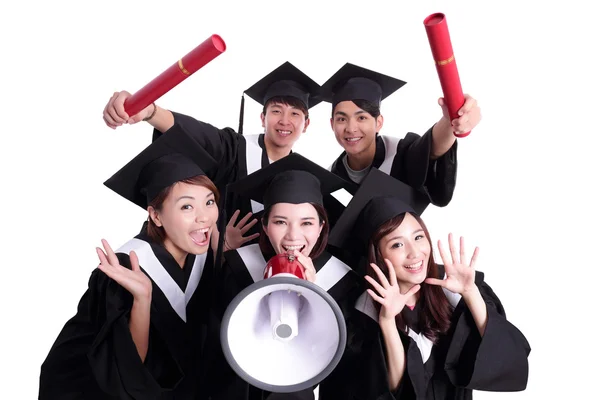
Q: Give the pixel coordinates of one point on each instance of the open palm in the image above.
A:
(134, 280)
(388, 292)
(460, 276)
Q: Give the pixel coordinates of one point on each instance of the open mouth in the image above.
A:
(352, 140)
(283, 132)
(291, 249)
(414, 268)
(201, 237)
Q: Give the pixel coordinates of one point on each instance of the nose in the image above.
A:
(410, 249)
(293, 232)
(352, 125)
(284, 118)
(201, 216)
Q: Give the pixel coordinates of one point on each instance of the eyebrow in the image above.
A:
(345, 115)
(281, 105)
(304, 218)
(193, 198)
(400, 236)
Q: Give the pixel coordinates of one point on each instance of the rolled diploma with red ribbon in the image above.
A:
(204, 53)
(436, 27)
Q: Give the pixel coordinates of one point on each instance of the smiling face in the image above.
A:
(293, 227)
(188, 216)
(409, 251)
(355, 128)
(283, 123)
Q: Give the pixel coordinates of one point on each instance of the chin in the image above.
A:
(197, 250)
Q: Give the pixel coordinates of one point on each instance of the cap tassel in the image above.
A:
(241, 125)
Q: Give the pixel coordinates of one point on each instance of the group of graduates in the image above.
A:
(221, 204)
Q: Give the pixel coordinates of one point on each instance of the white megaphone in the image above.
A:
(283, 333)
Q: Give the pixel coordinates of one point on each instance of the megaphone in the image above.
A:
(283, 333)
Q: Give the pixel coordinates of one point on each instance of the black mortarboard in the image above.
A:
(352, 82)
(285, 80)
(171, 158)
(379, 198)
(292, 179)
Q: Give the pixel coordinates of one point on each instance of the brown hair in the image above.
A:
(288, 101)
(434, 318)
(157, 233)
(265, 244)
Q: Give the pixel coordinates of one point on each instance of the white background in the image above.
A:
(526, 173)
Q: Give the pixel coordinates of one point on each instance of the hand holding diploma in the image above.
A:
(461, 110)
(124, 107)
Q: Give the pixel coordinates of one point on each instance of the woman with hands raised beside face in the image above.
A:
(425, 330)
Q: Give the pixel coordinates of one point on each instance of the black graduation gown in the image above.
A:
(244, 266)
(94, 356)
(237, 156)
(408, 160)
(461, 361)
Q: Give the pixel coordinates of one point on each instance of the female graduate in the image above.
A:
(294, 222)
(427, 163)
(141, 326)
(286, 94)
(435, 331)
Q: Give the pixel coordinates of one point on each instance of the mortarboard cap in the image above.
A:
(352, 82)
(285, 80)
(379, 198)
(292, 179)
(171, 158)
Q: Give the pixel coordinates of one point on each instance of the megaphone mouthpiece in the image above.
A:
(284, 307)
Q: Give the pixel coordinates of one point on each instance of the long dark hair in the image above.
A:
(157, 233)
(436, 311)
(265, 244)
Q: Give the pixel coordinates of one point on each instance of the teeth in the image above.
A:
(355, 139)
(284, 132)
(293, 247)
(414, 266)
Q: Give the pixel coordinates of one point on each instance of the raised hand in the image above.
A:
(309, 269)
(133, 280)
(114, 114)
(234, 234)
(469, 115)
(388, 292)
(460, 276)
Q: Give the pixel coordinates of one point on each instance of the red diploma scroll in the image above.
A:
(175, 74)
(445, 63)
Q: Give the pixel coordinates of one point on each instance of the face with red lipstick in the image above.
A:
(409, 250)
(188, 216)
(293, 227)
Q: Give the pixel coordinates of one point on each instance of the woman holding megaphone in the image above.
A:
(285, 298)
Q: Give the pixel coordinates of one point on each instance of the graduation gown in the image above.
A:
(237, 156)
(461, 361)
(244, 266)
(94, 356)
(408, 160)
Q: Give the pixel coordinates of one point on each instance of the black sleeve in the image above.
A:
(113, 357)
(221, 144)
(436, 177)
(496, 361)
